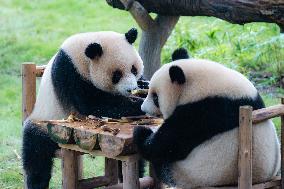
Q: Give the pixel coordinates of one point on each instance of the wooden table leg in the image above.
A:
(71, 169)
(111, 170)
(157, 183)
(130, 174)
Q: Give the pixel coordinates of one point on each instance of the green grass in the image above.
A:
(32, 31)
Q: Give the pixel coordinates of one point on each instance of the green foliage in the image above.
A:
(251, 47)
(32, 31)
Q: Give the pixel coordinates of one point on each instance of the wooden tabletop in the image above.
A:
(112, 136)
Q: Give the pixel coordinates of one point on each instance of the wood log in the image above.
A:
(263, 114)
(245, 148)
(90, 134)
(94, 182)
(237, 11)
(60, 133)
(85, 139)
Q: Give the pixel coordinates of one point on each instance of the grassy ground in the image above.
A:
(33, 30)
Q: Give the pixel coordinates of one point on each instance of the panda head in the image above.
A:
(107, 59)
(186, 81)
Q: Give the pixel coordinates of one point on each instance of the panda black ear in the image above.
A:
(177, 75)
(94, 50)
(180, 53)
(131, 35)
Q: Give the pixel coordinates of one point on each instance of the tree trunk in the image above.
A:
(236, 11)
(152, 41)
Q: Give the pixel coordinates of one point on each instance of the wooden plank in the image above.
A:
(145, 182)
(28, 88)
(282, 147)
(270, 184)
(40, 70)
(263, 114)
(71, 164)
(94, 182)
(111, 170)
(245, 148)
(130, 174)
(156, 183)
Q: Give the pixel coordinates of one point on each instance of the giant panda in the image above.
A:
(197, 145)
(92, 74)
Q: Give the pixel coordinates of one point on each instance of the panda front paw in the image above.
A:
(140, 134)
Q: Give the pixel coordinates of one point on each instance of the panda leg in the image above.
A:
(38, 153)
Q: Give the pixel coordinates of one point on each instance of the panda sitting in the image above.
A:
(92, 74)
(197, 145)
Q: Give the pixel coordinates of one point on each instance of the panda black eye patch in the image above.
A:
(155, 99)
(134, 70)
(116, 76)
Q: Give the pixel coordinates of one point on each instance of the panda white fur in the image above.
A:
(197, 144)
(92, 73)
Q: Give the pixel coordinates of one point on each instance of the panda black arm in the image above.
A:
(164, 145)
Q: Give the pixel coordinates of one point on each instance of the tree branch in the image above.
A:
(139, 13)
(234, 11)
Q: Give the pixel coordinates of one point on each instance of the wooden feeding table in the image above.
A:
(111, 138)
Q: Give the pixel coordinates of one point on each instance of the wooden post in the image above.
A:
(71, 169)
(130, 174)
(111, 170)
(28, 88)
(28, 93)
(282, 147)
(245, 148)
(157, 183)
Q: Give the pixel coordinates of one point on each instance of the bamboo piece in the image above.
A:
(245, 148)
(28, 88)
(267, 113)
(130, 174)
(71, 169)
(282, 146)
(93, 182)
(111, 170)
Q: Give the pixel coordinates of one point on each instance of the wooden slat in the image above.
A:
(282, 146)
(145, 182)
(270, 184)
(28, 88)
(94, 182)
(267, 113)
(40, 70)
(245, 148)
